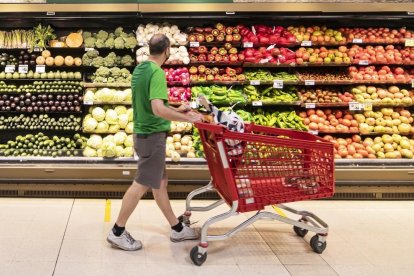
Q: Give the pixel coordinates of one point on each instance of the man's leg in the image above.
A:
(130, 201)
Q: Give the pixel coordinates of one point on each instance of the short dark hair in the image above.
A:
(158, 44)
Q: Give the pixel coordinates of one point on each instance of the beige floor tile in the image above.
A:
(64, 268)
(263, 270)
(310, 258)
(163, 251)
(208, 270)
(124, 269)
(344, 253)
(115, 256)
(41, 250)
(81, 251)
(311, 270)
(254, 253)
(162, 270)
(354, 270)
(32, 268)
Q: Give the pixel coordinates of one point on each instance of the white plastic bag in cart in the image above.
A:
(230, 120)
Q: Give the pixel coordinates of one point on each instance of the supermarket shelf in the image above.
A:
(218, 82)
(25, 80)
(215, 63)
(293, 65)
(261, 103)
(236, 44)
(106, 103)
(109, 85)
(306, 105)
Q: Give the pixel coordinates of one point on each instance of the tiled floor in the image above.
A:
(67, 237)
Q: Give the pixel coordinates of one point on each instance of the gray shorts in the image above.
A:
(151, 159)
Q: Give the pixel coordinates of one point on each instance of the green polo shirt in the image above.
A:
(148, 83)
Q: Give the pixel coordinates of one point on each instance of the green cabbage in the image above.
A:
(102, 127)
(128, 152)
(106, 95)
(89, 124)
(108, 149)
(99, 114)
(108, 138)
(123, 120)
(120, 109)
(129, 141)
(89, 96)
(111, 117)
(114, 128)
(120, 151)
(95, 141)
(89, 152)
(119, 96)
(119, 138)
(130, 113)
(129, 128)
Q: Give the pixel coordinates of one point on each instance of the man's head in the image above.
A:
(159, 45)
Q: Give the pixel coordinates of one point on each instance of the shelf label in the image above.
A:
(89, 49)
(194, 44)
(40, 69)
(314, 132)
(265, 60)
(37, 49)
(248, 44)
(309, 82)
(50, 13)
(126, 172)
(306, 43)
(142, 44)
(357, 41)
(363, 62)
(88, 102)
(10, 68)
(310, 105)
(257, 103)
(368, 106)
(409, 42)
(278, 84)
(23, 69)
(354, 106)
(270, 47)
(255, 82)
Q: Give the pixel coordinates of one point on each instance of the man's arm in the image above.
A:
(160, 110)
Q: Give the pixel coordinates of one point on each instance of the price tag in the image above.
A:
(88, 102)
(10, 68)
(194, 44)
(23, 69)
(248, 44)
(265, 60)
(310, 105)
(357, 40)
(306, 43)
(409, 42)
(37, 49)
(278, 84)
(40, 69)
(126, 172)
(314, 132)
(257, 103)
(368, 106)
(309, 82)
(89, 49)
(354, 106)
(363, 62)
(270, 47)
(255, 82)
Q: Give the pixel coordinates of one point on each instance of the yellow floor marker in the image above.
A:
(107, 217)
(279, 211)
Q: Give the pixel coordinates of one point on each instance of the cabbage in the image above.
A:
(128, 94)
(99, 153)
(119, 138)
(95, 141)
(89, 152)
(129, 141)
(123, 120)
(111, 117)
(120, 151)
(99, 114)
(108, 149)
(114, 128)
(130, 113)
(89, 96)
(106, 95)
(108, 138)
(128, 152)
(129, 128)
(102, 127)
(120, 109)
(89, 124)
(119, 96)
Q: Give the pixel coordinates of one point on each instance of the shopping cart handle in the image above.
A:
(218, 129)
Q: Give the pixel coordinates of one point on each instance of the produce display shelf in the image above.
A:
(330, 82)
(177, 83)
(257, 45)
(236, 44)
(87, 49)
(36, 93)
(106, 103)
(170, 64)
(87, 67)
(105, 132)
(261, 103)
(215, 63)
(25, 80)
(109, 85)
(383, 133)
(381, 63)
(271, 82)
(82, 160)
(387, 105)
(218, 82)
(293, 65)
(341, 104)
(381, 82)
(333, 132)
(38, 112)
(33, 66)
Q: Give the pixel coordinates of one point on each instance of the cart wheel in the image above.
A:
(197, 258)
(185, 221)
(317, 245)
(300, 231)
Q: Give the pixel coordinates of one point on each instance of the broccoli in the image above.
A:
(86, 60)
(131, 35)
(124, 35)
(100, 43)
(98, 62)
(115, 72)
(111, 35)
(125, 72)
(119, 31)
(103, 72)
(102, 35)
(109, 43)
(99, 79)
(111, 80)
(119, 43)
(110, 59)
(127, 60)
(90, 42)
(131, 43)
(86, 35)
(92, 54)
(118, 60)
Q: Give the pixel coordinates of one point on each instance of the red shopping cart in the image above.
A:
(272, 166)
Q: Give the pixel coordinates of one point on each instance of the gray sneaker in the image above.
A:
(186, 234)
(125, 241)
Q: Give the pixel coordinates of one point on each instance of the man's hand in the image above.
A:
(194, 117)
(183, 108)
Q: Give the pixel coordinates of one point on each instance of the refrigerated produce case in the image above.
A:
(69, 173)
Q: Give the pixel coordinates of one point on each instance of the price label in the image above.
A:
(409, 42)
(363, 62)
(265, 60)
(126, 172)
(248, 44)
(37, 49)
(10, 68)
(310, 105)
(306, 43)
(278, 84)
(257, 103)
(309, 82)
(23, 69)
(194, 44)
(357, 40)
(368, 106)
(255, 82)
(89, 49)
(88, 102)
(270, 47)
(314, 132)
(40, 69)
(354, 106)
